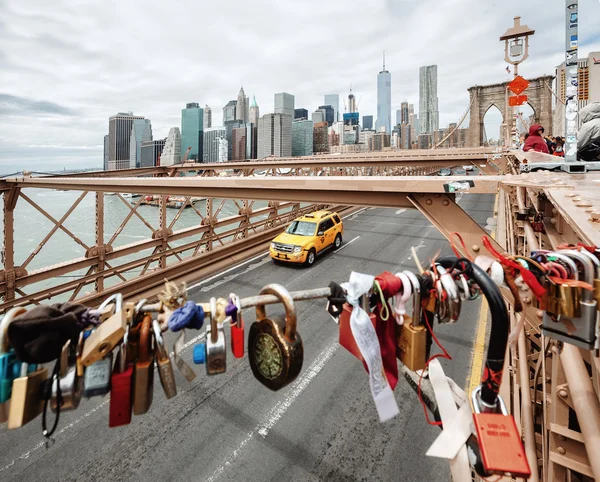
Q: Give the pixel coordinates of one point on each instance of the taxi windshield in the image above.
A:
(302, 228)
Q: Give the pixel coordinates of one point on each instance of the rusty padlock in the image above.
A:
(144, 369)
(275, 348)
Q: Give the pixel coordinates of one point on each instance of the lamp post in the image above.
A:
(516, 50)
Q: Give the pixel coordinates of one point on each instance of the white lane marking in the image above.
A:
(227, 279)
(346, 245)
(353, 215)
(400, 211)
(275, 414)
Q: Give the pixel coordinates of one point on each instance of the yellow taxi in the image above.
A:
(308, 236)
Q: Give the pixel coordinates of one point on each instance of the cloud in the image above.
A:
(68, 65)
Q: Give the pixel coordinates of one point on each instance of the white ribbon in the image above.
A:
(367, 342)
(400, 299)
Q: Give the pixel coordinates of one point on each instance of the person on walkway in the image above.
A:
(560, 147)
(535, 141)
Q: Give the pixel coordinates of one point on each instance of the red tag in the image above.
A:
(237, 338)
(501, 448)
(120, 398)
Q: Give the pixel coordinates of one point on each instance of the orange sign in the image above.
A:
(517, 100)
(518, 85)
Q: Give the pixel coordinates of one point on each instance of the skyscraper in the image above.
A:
(119, 139)
(192, 130)
(404, 113)
(106, 149)
(384, 100)
(300, 114)
(351, 102)
(229, 111)
(242, 106)
(229, 127)
(275, 135)
(320, 137)
(284, 104)
(254, 112)
(141, 131)
(207, 117)
(211, 143)
(251, 140)
(367, 122)
(428, 101)
(329, 114)
(318, 116)
(398, 117)
(172, 151)
(238, 140)
(334, 101)
(302, 138)
(151, 152)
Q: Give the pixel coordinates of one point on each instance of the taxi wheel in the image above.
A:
(310, 258)
(338, 241)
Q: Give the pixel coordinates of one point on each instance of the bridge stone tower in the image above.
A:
(482, 97)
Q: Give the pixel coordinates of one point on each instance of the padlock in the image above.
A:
(106, 335)
(71, 385)
(538, 224)
(346, 338)
(411, 337)
(216, 354)
(26, 402)
(449, 303)
(143, 385)
(562, 299)
(274, 347)
(237, 330)
(499, 440)
(163, 362)
(10, 366)
(96, 381)
(121, 381)
(577, 330)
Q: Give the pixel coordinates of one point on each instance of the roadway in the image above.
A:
(230, 427)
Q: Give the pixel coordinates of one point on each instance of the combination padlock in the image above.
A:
(121, 382)
(163, 362)
(106, 335)
(275, 348)
(144, 369)
(216, 354)
(411, 337)
(71, 385)
(237, 329)
(96, 381)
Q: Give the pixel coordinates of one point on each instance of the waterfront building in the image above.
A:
(254, 112)
(384, 100)
(151, 152)
(404, 113)
(424, 141)
(141, 130)
(300, 114)
(406, 136)
(106, 149)
(192, 130)
(172, 151)
(302, 137)
(334, 101)
(242, 107)
(428, 101)
(275, 135)
(211, 143)
(284, 104)
(229, 126)
(379, 141)
(229, 111)
(329, 114)
(367, 122)
(119, 139)
(365, 135)
(207, 117)
(318, 116)
(251, 140)
(320, 137)
(223, 147)
(238, 141)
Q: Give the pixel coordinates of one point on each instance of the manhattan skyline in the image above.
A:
(54, 115)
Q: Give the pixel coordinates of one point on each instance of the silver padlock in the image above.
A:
(579, 331)
(216, 354)
(452, 302)
(71, 385)
(96, 380)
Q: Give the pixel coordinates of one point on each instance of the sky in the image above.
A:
(66, 66)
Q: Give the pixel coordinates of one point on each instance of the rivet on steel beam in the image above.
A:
(445, 202)
(595, 216)
(561, 450)
(475, 248)
(429, 202)
(553, 220)
(563, 393)
(539, 313)
(438, 195)
(562, 438)
(584, 203)
(571, 194)
(554, 211)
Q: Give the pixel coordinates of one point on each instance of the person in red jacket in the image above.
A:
(535, 141)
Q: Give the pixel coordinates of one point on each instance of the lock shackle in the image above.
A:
(160, 342)
(498, 338)
(588, 271)
(4, 322)
(480, 406)
(117, 298)
(145, 339)
(287, 301)
(564, 258)
(214, 326)
(416, 293)
(594, 260)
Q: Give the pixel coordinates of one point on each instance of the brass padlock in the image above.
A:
(107, 335)
(216, 354)
(163, 362)
(411, 337)
(26, 402)
(144, 370)
(10, 366)
(71, 385)
(274, 347)
(563, 300)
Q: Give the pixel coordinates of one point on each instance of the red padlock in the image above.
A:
(121, 389)
(237, 331)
